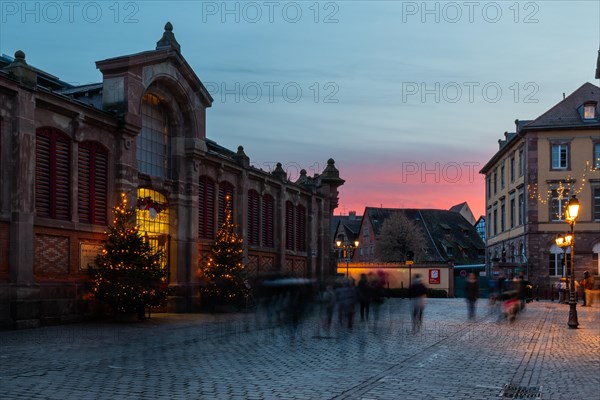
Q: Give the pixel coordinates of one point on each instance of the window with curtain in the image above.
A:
(560, 156)
(92, 172)
(52, 174)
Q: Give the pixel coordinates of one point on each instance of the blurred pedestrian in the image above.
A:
(472, 294)
(328, 303)
(561, 287)
(522, 290)
(377, 284)
(364, 297)
(345, 296)
(587, 285)
(418, 297)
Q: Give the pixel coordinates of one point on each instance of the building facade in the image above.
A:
(529, 182)
(68, 152)
(449, 238)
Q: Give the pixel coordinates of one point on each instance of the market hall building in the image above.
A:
(68, 152)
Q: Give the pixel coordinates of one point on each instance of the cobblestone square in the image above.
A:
(240, 356)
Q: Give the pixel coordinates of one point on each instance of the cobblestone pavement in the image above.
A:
(240, 356)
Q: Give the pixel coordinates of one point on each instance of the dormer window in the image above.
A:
(589, 110)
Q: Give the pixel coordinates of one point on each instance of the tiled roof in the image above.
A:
(458, 207)
(80, 89)
(442, 229)
(566, 113)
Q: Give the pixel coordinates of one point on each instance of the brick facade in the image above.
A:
(41, 255)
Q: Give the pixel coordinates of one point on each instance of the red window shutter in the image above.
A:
(289, 225)
(267, 221)
(301, 228)
(253, 217)
(53, 174)
(83, 174)
(63, 179)
(100, 186)
(206, 208)
(93, 183)
(43, 180)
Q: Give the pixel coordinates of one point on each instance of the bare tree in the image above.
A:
(398, 237)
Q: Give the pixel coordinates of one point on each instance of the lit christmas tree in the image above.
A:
(128, 274)
(225, 270)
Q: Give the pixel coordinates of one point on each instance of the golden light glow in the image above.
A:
(572, 210)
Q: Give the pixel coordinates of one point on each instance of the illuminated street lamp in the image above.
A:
(348, 249)
(571, 214)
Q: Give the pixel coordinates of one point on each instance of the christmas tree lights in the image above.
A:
(225, 271)
(128, 274)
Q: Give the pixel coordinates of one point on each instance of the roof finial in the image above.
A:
(168, 41)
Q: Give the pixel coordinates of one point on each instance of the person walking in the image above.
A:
(472, 294)
(587, 284)
(418, 297)
(522, 290)
(364, 297)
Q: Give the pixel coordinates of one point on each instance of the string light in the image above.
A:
(561, 190)
(128, 274)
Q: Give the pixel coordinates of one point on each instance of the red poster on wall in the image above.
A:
(434, 277)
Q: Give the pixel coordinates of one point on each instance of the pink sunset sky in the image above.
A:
(428, 184)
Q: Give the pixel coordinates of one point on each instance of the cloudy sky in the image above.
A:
(409, 98)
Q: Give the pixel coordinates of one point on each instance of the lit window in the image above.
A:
(589, 111)
(154, 224)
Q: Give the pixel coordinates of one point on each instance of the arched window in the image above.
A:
(52, 174)
(153, 142)
(92, 172)
(225, 191)
(556, 261)
(206, 208)
(267, 221)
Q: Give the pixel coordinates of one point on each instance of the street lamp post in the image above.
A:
(571, 214)
(563, 241)
(348, 249)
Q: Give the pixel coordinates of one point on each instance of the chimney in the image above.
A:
(352, 215)
(598, 66)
